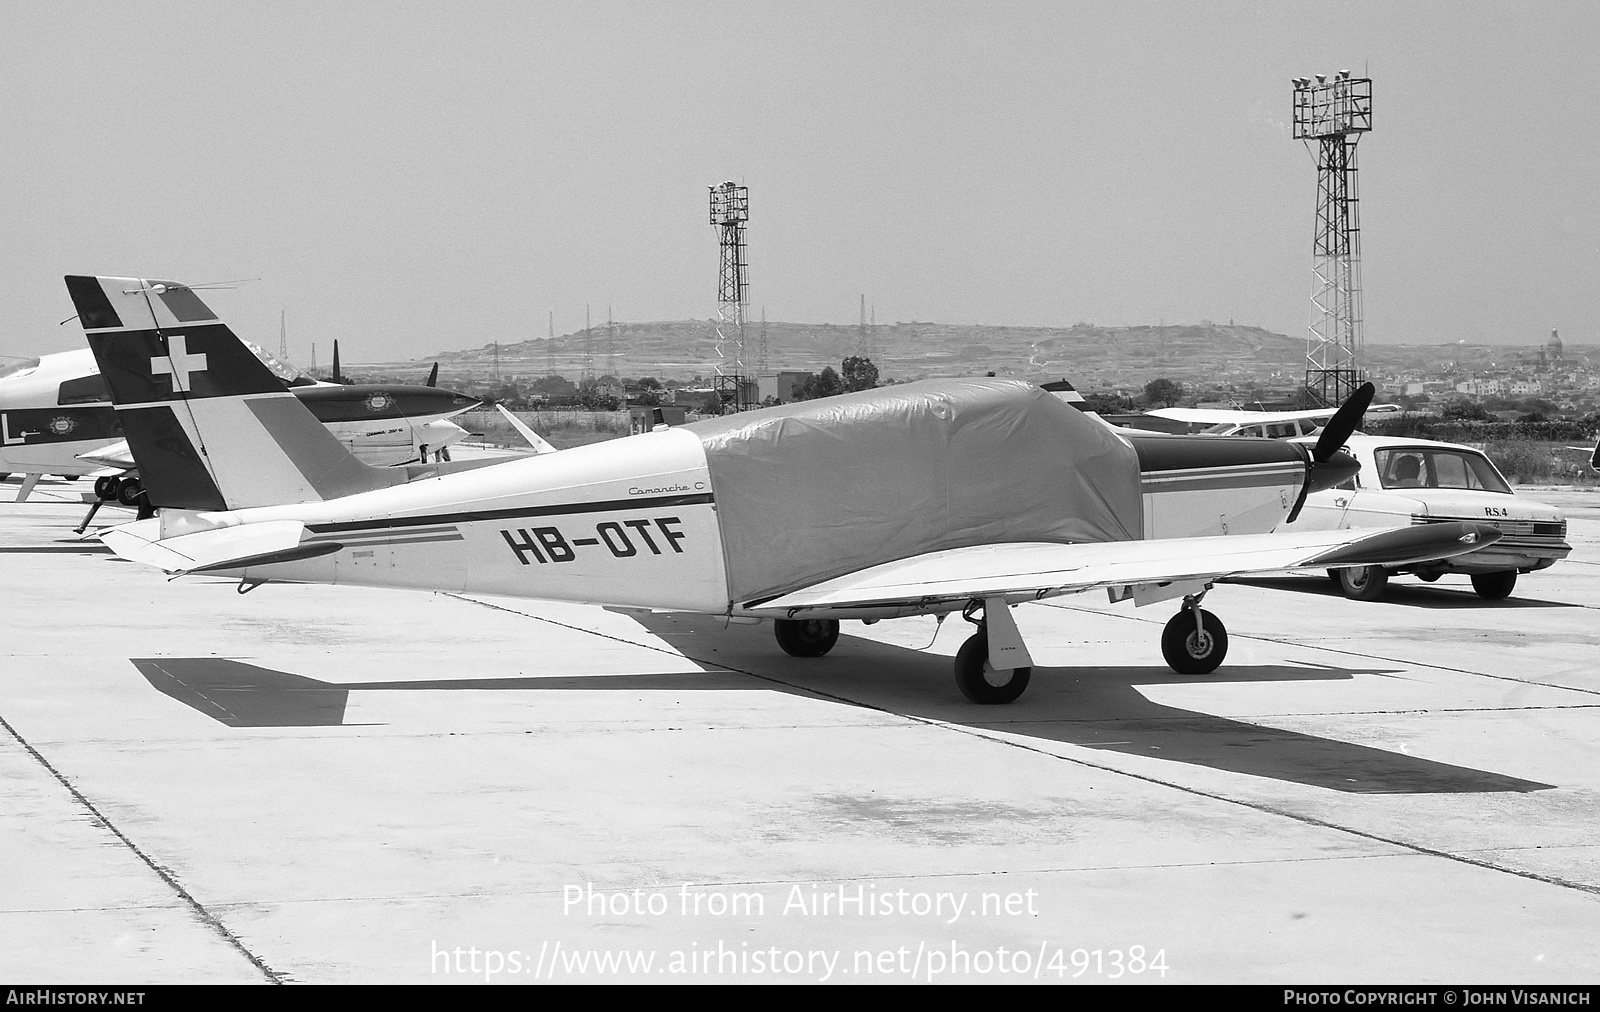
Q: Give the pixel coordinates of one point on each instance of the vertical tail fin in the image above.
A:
(209, 425)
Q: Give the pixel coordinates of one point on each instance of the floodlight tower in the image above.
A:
(588, 347)
(1335, 113)
(730, 209)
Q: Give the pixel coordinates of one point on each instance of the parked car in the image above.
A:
(1423, 482)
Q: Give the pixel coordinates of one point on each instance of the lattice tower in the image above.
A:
(1335, 113)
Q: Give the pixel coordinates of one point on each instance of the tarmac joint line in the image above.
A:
(205, 916)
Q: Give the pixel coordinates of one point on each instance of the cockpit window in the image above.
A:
(1429, 467)
(83, 390)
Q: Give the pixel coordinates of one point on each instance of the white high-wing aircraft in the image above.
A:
(1266, 424)
(937, 497)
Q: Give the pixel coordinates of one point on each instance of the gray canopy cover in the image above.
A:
(809, 491)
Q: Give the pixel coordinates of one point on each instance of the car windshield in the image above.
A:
(1438, 467)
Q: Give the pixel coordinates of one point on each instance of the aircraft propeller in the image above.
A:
(1326, 463)
(433, 377)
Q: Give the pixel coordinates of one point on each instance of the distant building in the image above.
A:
(643, 419)
(780, 386)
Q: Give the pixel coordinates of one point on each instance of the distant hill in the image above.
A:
(1093, 357)
(1088, 354)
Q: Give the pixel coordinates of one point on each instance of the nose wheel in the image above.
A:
(1194, 641)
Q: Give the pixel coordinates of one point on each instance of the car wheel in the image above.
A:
(1495, 586)
(1363, 583)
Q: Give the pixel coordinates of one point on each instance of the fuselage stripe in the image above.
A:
(559, 509)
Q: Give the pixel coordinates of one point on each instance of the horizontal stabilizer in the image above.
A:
(1022, 572)
(218, 548)
(534, 439)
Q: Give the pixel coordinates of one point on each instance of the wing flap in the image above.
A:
(1036, 570)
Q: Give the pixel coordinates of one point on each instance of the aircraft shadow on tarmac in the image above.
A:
(1409, 594)
(1091, 707)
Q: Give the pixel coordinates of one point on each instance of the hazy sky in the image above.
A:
(410, 177)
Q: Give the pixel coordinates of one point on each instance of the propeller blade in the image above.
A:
(1339, 427)
(433, 377)
(339, 378)
(1321, 474)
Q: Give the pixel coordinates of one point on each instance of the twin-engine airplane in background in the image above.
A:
(935, 497)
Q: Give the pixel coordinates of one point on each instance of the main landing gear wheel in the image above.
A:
(105, 487)
(980, 681)
(1363, 583)
(806, 637)
(1495, 586)
(128, 491)
(1192, 649)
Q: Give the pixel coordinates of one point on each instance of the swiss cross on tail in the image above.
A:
(178, 364)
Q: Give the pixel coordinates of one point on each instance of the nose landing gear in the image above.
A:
(1194, 641)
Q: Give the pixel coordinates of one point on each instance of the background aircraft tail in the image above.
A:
(210, 426)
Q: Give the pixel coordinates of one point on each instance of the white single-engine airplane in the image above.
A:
(936, 497)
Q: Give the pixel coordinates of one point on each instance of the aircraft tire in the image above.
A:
(810, 637)
(1363, 583)
(1496, 586)
(980, 682)
(105, 487)
(128, 491)
(1186, 651)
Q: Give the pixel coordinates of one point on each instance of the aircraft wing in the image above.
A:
(1218, 416)
(1024, 572)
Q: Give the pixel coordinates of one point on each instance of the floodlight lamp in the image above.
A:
(1322, 78)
